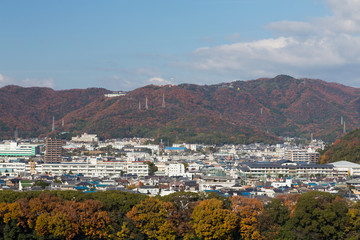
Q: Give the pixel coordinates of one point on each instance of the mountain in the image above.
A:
(346, 148)
(31, 110)
(236, 112)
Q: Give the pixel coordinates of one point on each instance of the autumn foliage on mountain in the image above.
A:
(236, 112)
(346, 148)
(182, 215)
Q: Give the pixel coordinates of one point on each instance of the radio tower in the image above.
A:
(146, 104)
(163, 101)
(53, 124)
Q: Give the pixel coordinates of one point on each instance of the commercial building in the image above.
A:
(13, 149)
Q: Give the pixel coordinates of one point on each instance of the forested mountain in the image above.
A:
(346, 148)
(236, 112)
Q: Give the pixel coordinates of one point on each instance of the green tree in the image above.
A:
(273, 218)
(152, 168)
(318, 215)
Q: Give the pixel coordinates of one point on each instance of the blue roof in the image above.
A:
(175, 148)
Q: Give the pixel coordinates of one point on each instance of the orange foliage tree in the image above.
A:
(248, 211)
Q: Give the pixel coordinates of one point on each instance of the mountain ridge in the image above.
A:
(238, 112)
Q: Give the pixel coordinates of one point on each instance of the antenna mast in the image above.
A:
(53, 124)
(163, 101)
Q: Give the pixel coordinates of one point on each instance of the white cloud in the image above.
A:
(28, 82)
(128, 79)
(36, 82)
(301, 49)
(158, 81)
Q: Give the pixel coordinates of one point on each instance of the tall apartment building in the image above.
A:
(53, 150)
(310, 156)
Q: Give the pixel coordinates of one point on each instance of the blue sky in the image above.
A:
(122, 45)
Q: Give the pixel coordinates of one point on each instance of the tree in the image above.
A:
(152, 168)
(41, 183)
(212, 221)
(248, 211)
(151, 217)
(318, 215)
(184, 203)
(273, 218)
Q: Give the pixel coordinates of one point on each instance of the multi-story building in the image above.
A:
(302, 155)
(53, 150)
(95, 169)
(13, 149)
(85, 138)
(285, 168)
(175, 169)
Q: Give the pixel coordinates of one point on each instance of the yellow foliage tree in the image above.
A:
(151, 217)
(212, 221)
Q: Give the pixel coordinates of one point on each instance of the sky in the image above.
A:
(123, 45)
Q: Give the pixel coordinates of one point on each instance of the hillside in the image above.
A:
(238, 112)
(31, 110)
(346, 148)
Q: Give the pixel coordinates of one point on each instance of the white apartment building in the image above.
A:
(93, 169)
(89, 169)
(175, 169)
(15, 167)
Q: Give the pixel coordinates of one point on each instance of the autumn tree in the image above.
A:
(151, 217)
(184, 203)
(212, 221)
(248, 211)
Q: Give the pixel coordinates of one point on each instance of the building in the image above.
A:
(85, 138)
(95, 168)
(13, 149)
(175, 169)
(302, 155)
(115, 94)
(285, 168)
(345, 168)
(53, 150)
